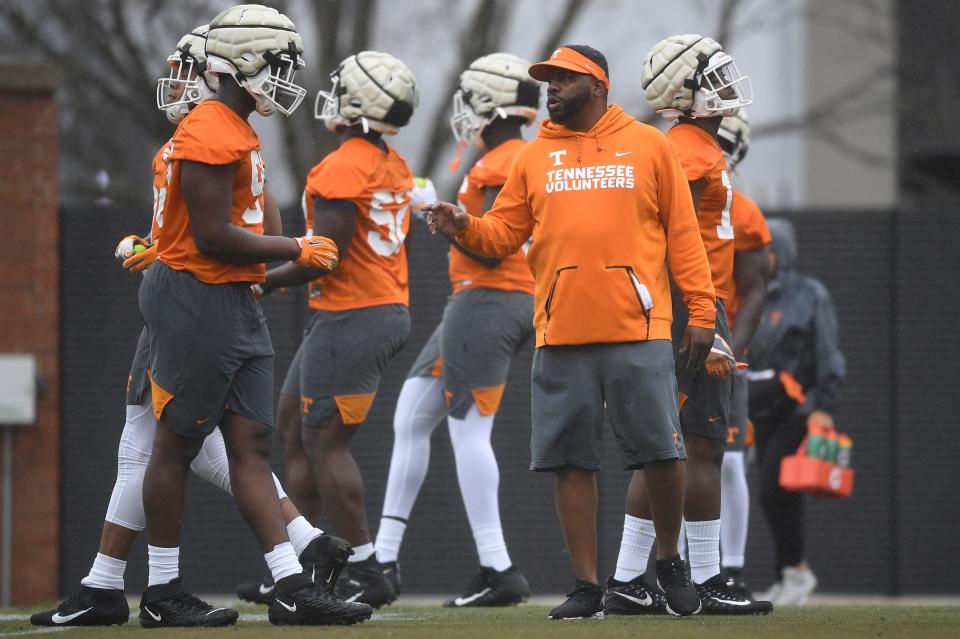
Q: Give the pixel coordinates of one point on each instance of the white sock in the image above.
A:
(734, 510)
(361, 553)
(682, 541)
(420, 408)
(638, 537)
(282, 561)
(164, 564)
(389, 538)
(703, 540)
(301, 533)
(479, 479)
(106, 573)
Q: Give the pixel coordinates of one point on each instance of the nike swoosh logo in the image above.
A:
(213, 611)
(353, 598)
(731, 602)
(620, 154)
(713, 419)
(265, 590)
(463, 601)
(643, 602)
(292, 608)
(58, 618)
(203, 421)
(156, 617)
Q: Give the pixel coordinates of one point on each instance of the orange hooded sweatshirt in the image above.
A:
(603, 208)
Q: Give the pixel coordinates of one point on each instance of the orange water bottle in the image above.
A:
(816, 440)
(846, 449)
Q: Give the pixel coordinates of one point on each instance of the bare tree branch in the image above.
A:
(728, 10)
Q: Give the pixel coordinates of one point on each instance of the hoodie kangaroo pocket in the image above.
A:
(596, 304)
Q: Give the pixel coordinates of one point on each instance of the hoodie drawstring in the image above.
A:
(596, 137)
(579, 162)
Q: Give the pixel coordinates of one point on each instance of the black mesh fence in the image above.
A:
(892, 277)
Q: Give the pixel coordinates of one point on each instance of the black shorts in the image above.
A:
(210, 351)
(706, 408)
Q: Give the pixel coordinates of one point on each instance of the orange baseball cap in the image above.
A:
(566, 58)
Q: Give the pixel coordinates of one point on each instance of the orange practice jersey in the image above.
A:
(162, 171)
(702, 158)
(513, 273)
(751, 232)
(213, 134)
(378, 183)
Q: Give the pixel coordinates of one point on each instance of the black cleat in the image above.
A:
(391, 570)
(260, 592)
(633, 597)
(585, 602)
(492, 588)
(719, 599)
(171, 606)
(300, 602)
(679, 592)
(324, 558)
(87, 607)
(736, 583)
(365, 582)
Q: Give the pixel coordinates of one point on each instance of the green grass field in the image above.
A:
(422, 622)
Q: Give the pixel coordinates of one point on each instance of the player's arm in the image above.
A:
(696, 190)
(272, 222)
(335, 219)
(490, 196)
(208, 193)
(751, 269)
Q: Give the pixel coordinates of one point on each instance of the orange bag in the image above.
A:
(814, 468)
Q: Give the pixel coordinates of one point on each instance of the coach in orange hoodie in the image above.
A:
(606, 201)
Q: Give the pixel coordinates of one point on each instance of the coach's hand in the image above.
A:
(445, 218)
(697, 342)
(318, 252)
(141, 260)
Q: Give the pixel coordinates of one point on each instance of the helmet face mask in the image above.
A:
(466, 125)
(723, 89)
(273, 86)
(188, 83)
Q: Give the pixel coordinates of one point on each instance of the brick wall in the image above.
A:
(30, 316)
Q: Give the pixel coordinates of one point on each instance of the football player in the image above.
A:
(100, 600)
(461, 371)
(689, 78)
(211, 361)
(359, 197)
(751, 269)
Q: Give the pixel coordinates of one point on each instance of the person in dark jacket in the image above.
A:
(796, 372)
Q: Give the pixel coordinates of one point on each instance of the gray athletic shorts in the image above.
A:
(706, 411)
(572, 385)
(340, 361)
(210, 351)
(739, 409)
(472, 347)
(138, 382)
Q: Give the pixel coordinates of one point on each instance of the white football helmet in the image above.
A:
(734, 137)
(261, 49)
(373, 89)
(189, 81)
(494, 86)
(691, 76)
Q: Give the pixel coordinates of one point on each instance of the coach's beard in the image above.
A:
(562, 111)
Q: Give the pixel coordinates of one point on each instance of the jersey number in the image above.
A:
(390, 218)
(725, 228)
(258, 175)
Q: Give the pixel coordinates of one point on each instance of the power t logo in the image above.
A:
(556, 155)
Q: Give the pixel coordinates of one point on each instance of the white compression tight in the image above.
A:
(133, 455)
(734, 510)
(420, 408)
